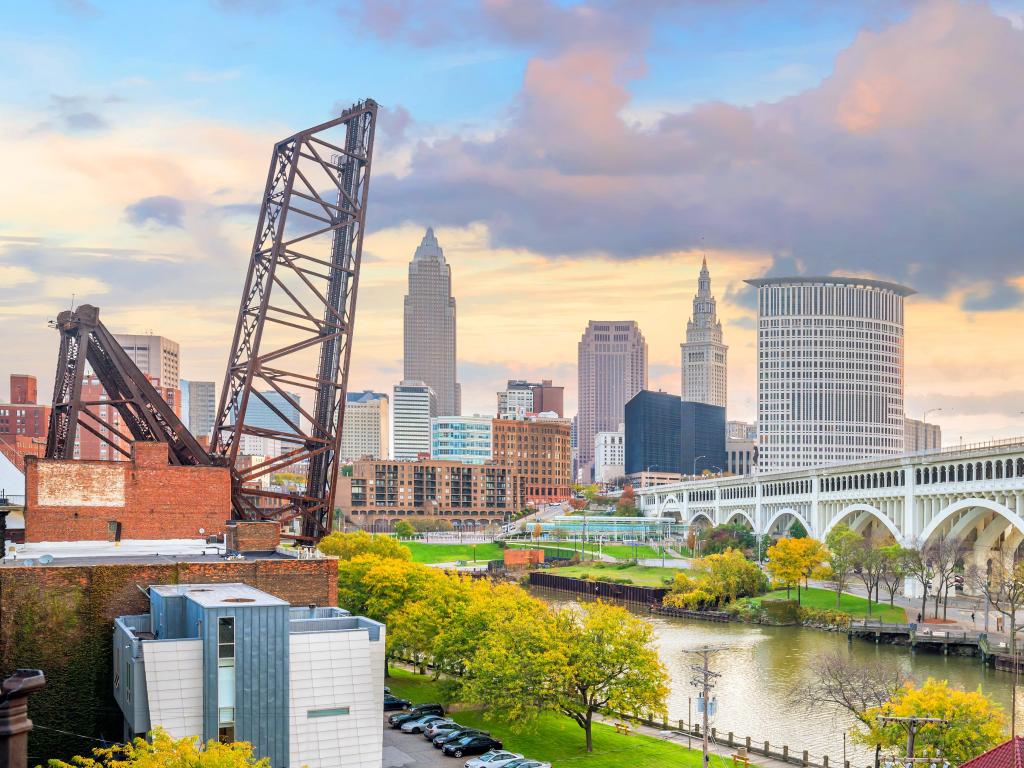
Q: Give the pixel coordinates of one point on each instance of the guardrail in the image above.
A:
(628, 592)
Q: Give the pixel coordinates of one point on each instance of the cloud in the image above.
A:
(76, 114)
(904, 163)
(162, 210)
(992, 298)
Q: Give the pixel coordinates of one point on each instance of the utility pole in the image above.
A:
(913, 724)
(704, 679)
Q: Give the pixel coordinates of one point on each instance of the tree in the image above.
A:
(428, 524)
(785, 564)
(729, 536)
(894, 569)
(974, 723)
(919, 568)
(610, 663)
(346, 546)
(843, 545)
(945, 554)
(797, 530)
(857, 688)
(716, 580)
(868, 561)
(404, 529)
(165, 752)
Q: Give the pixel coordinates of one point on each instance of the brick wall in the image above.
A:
(253, 536)
(68, 500)
(520, 558)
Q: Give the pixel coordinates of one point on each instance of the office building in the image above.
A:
(829, 370)
(465, 439)
(919, 435)
(156, 356)
(471, 497)
(741, 456)
(703, 438)
(612, 367)
(366, 431)
(653, 434)
(415, 404)
(703, 354)
(257, 445)
(516, 400)
(547, 398)
(609, 455)
(90, 446)
(740, 430)
(538, 448)
(430, 326)
(272, 410)
(23, 419)
(199, 406)
(229, 662)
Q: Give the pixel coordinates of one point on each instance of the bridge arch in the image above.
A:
(702, 515)
(795, 515)
(670, 506)
(741, 513)
(875, 513)
(1008, 514)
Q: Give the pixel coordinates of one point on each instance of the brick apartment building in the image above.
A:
(380, 493)
(540, 450)
(23, 421)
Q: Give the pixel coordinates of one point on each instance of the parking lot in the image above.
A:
(411, 750)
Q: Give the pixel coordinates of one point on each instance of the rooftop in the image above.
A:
(902, 290)
(219, 595)
(128, 551)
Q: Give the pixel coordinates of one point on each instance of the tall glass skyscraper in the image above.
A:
(430, 326)
(829, 370)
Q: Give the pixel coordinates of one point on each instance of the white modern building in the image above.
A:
(610, 455)
(703, 355)
(199, 406)
(366, 430)
(741, 456)
(467, 439)
(157, 356)
(232, 663)
(414, 405)
(516, 400)
(256, 445)
(829, 370)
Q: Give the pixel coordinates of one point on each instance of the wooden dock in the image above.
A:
(923, 636)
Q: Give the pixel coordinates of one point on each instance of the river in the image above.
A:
(762, 666)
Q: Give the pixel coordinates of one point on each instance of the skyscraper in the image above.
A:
(703, 353)
(155, 356)
(612, 368)
(366, 430)
(259, 413)
(430, 326)
(198, 406)
(415, 404)
(829, 370)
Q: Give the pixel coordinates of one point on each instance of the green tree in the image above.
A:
(404, 529)
(843, 545)
(797, 530)
(717, 580)
(894, 571)
(346, 546)
(974, 724)
(729, 536)
(165, 752)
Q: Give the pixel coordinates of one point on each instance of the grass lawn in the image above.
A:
(555, 738)
(625, 552)
(618, 551)
(557, 548)
(640, 575)
(825, 599)
(450, 553)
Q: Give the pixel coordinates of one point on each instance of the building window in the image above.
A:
(328, 712)
(226, 679)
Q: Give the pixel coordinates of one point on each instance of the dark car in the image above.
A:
(395, 721)
(470, 745)
(391, 703)
(444, 738)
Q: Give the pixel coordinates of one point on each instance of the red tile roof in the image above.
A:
(1009, 754)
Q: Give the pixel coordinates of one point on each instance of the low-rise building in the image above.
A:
(230, 662)
(466, 439)
(539, 449)
(381, 493)
(919, 435)
(609, 455)
(741, 456)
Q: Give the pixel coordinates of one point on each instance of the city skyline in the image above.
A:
(165, 218)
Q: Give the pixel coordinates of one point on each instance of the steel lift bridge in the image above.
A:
(293, 337)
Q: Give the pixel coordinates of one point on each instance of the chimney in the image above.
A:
(14, 722)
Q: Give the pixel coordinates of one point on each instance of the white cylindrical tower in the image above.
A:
(829, 370)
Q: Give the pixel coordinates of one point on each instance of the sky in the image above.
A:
(576, 159)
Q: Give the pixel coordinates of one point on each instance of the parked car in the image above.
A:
(415, 714)
(470, 745)
(444, 737)
(391, 703)
(496, 758)
(525, 762)
(417, 726)
(439, 726)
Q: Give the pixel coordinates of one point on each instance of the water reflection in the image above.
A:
(761, 667)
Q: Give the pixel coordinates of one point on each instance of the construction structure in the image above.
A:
(293, 334)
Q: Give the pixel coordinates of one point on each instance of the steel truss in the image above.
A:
(146, 415)
(296, 316)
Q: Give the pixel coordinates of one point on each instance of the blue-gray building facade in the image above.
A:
(669, 435)
(703, 438)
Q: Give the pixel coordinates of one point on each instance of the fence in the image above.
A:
(686, 613)
(627, 592)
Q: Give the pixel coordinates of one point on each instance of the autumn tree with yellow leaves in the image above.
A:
(162, 751)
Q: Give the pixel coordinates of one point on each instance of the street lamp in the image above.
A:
(695, 464)
(924, 419)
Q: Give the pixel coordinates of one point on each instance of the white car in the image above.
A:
(526, 762)
(493, 759)
(417, 726)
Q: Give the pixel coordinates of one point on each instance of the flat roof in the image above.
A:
(902, 290)
(219, 595)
